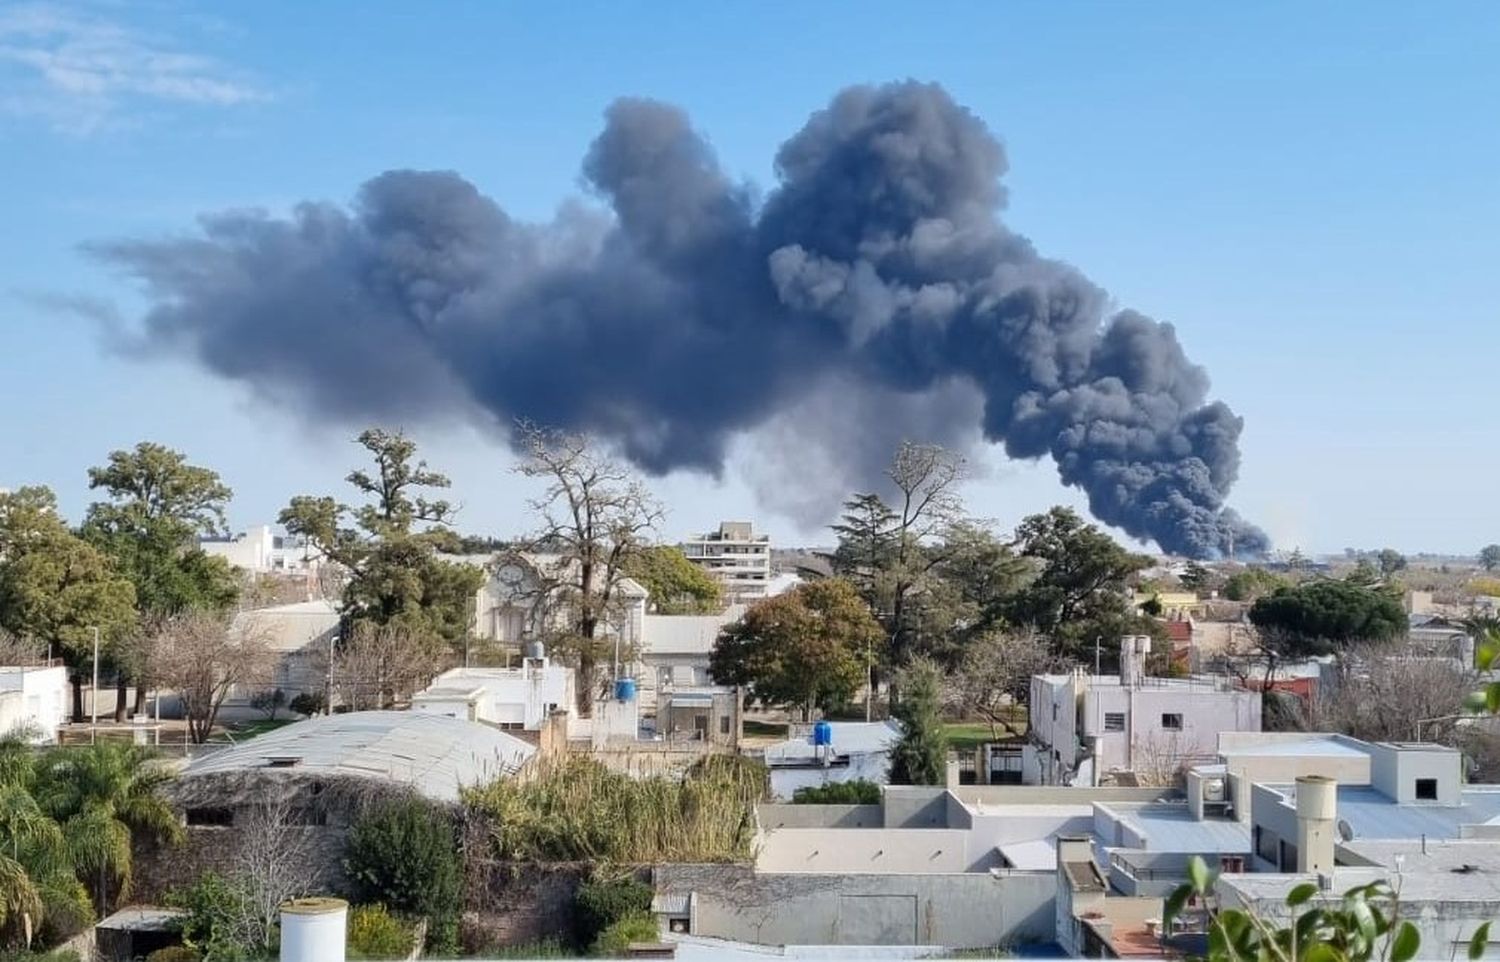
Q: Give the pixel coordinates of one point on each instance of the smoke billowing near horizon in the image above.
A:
(872, 295)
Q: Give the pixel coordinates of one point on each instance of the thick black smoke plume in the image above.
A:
(874, 294)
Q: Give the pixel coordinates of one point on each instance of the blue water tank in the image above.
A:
(822, 733)
(624, 689)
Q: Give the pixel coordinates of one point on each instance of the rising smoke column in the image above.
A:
(876, 278)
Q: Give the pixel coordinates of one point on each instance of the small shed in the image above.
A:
(136, 931)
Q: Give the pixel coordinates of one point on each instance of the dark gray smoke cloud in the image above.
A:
(875, 276)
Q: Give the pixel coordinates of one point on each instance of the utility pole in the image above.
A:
(869, 681)
(1096, 655)
(94, 692)
(328, 681)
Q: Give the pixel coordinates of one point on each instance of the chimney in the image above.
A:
(1317, 810)
(1133, 652)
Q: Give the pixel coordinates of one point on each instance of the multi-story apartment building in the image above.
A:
(737, 556)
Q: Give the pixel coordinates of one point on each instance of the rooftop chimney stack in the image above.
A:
(1317, 810)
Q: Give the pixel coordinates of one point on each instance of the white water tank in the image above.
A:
(314, 930)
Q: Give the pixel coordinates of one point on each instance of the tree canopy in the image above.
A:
(158, 504)
(389, 543)
(808, 648)
(1489, 557)
(1080, 590)
(1326, 614)
(920, 756)
(677, 586)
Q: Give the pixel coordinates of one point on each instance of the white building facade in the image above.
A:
(262, 551)
(33, 702)
(1084, 727)
(735, 555)
(508, 698)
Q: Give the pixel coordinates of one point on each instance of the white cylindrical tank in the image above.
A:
(314, 930)
(1317, 797)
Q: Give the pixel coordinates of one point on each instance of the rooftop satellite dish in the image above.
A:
(1346, 832)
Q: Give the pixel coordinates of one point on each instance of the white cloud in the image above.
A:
(81, 72)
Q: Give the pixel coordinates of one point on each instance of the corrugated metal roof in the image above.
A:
(670, 904)
(435, 754)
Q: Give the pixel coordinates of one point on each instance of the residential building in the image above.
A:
(1085, 728)
(525, 598)
(704, 713)
(521, 698)
(261, 550)
(675, 649)
(300, 635)
(735, 555)
(431, 754)
(854, 751)
(33, 701)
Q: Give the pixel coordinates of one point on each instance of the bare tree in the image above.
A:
(994, 677)
(1384, 694)
(926, 477)
(274, 862)
(1158, 759)
(200, 657)
(378, 665)
(593, 514)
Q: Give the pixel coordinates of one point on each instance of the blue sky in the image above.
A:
(1308, 191)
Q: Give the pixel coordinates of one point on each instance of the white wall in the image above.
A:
(34, 698)
(869, 766)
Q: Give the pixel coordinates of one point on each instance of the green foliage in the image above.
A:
(374, 933)
(677, 586)
(920, 757)
(389, 544)
(158, 505)
(858, 791)
(1200, 579)
(174, 953)
(807, 648)
(614, 940)
(403, 854)
(1252, 583)
(1361, 925)
(55, 585)
(1390, 561)
(307, 704)
(103, 797)
(545, 949)
(60, 955)
(601, 903)
(213, 925)
(1317, 617)
(1489, 557)
(578, 810)
(1079, 592)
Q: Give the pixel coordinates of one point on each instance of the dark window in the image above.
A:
(209, 816)
(1427, 789)
(1114, 721)
(723, 724)
(1171, 721)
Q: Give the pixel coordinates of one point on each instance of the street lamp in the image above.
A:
(94, 692)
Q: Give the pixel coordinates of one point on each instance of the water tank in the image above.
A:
(1317, 798)
(313, 930)
(535, 649)
(822, 733)
(624, 689)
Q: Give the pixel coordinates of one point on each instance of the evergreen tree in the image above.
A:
(920, 757)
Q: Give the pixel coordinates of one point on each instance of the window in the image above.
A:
(723, 724)
(1114, 721)
(209, 816)
(1171, 721)
(1426, 789)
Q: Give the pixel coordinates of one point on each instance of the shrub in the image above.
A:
(603, 902)
(403, 854)
(173, 953)
(307, 704)
(375, 933)
(614, 940)
(578, 810)
(214, 926)
(859, 791)
(270, 702)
